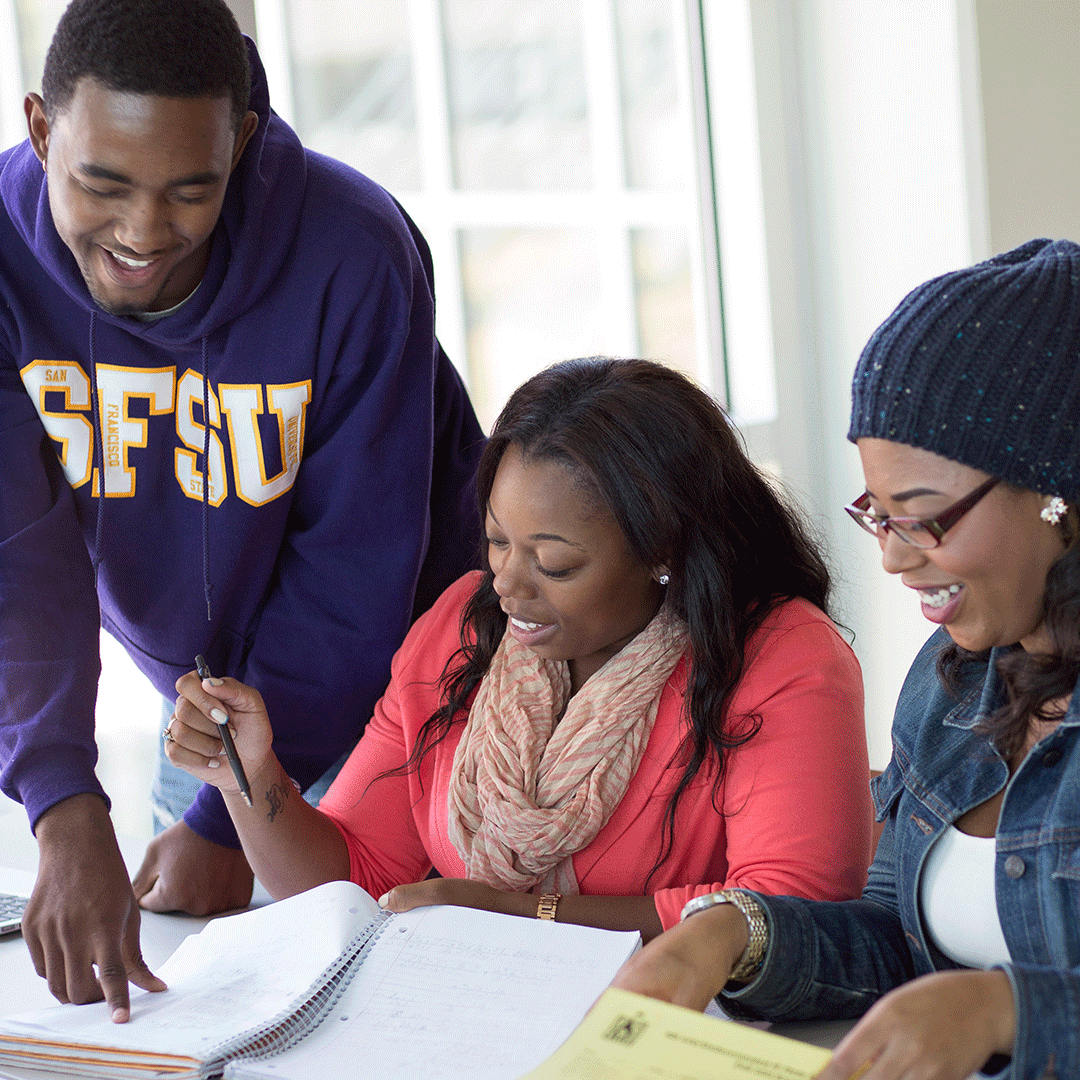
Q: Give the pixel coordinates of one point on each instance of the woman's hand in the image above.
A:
(460, 893)
(624, 913)
(690, 963)
(196, 744)
(938, 1027)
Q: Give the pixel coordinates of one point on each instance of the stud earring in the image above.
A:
(664, 579)
(1055, 511)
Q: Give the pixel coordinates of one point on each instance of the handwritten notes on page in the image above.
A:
(628, 1037)
(324, 984)
(450, 993)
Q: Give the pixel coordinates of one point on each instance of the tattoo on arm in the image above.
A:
(276, 795)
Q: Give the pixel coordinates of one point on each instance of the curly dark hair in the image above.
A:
(1032, 680)
(662, 457)
(170, 48)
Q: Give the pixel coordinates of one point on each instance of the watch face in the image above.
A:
(700, 903)
(749, 963)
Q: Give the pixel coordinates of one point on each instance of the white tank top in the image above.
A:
(958, 900)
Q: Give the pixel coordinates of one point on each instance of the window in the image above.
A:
(547, 152)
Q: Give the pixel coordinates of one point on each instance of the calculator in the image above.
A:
(11, 910)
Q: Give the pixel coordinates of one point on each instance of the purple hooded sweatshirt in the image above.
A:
(342, 450)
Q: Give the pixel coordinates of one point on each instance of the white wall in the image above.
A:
(1029, 68)
(897, 141)
(862, 109)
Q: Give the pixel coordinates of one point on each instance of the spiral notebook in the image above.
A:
(325, 984)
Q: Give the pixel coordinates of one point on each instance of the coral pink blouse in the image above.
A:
(792, 816)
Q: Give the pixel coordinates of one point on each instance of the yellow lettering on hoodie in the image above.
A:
(120, 432)
(242, 403)
(74, 434)
(189, 393)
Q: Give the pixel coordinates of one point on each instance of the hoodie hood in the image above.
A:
(248, 247)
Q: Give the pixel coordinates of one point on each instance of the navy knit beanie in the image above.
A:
(982, 366)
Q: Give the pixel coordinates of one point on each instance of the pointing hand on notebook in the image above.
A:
(87, 949)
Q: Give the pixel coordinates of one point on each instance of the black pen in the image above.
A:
(227, 739)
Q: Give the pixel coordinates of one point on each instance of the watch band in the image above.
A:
(549, 902)
(750, 962)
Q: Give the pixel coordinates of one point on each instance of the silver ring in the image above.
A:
(167, 734)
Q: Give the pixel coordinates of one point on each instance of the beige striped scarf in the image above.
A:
(529, 790)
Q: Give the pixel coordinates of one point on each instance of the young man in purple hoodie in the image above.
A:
(226, 428)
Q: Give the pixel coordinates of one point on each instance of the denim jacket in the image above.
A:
(835, 959)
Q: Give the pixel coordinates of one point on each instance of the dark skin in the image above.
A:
(182, 871)
(295, 848)
(70, 931)
(136, 184)
(561, 567)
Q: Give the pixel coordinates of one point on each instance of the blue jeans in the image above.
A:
(174, 790)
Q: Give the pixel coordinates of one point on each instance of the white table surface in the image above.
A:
(21, 989)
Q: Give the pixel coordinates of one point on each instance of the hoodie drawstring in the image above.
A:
(208, 587)
(99, 463)
(99, 455)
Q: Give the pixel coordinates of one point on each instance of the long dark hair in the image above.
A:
(1032, 680)
(661, 455)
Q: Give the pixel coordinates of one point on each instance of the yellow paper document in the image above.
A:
(629, 1037)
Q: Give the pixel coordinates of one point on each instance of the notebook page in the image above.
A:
(237, 973)
(452, 993)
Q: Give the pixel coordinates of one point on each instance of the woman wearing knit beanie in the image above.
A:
(964, 951)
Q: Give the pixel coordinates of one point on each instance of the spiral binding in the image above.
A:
(303, 1016)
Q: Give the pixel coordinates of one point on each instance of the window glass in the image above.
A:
(531, 298)
(516, 91)
(36, 20)
(353, 86)
(547, 152)
(664, 297)
(653, 127)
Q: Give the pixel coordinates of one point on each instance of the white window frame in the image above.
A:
(610, 208)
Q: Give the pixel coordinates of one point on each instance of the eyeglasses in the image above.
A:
(919, 532)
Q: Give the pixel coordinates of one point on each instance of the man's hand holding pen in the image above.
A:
(194, 735)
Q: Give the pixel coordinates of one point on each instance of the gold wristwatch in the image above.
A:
(549, 902)
(750, 962)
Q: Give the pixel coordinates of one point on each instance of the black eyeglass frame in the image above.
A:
(935, 527)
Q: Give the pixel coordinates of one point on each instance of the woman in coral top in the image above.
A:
(638, 701)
